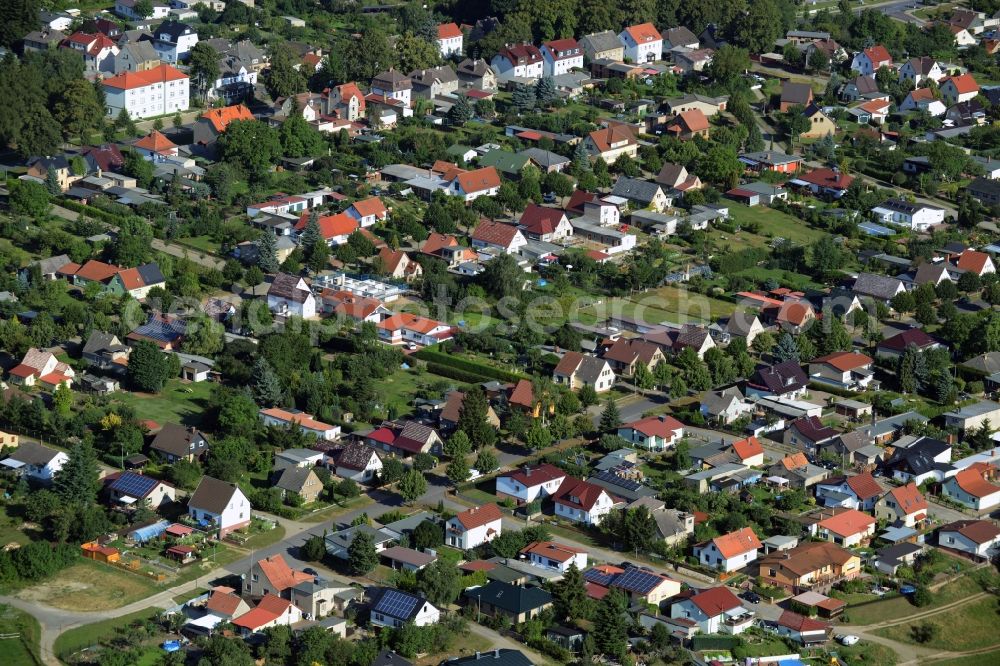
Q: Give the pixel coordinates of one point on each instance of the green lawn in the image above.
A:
(773, 224)
(87, 635)
(986, 659)
(868, 653)
(899, 607)
(184, 597)
(399, 388)
(177, 403)
(668, 303)
(21, 649)
(199, 243)
(334, 511)
(968, 627)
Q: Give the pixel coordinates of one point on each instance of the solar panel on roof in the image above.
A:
(136, 485)
(599, 577)
(627, 484)
(397, 604)
(637, 580)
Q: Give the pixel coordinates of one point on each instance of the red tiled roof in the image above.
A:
(529, 476)
(268, 610)
(909, 498)
(448, 31)
(370, 206)
(979, 531)
(828, 178)
(436, 241)
(523, 394)
(864, 486)
(22, 370)
(972, 260)
(281, 576)
(131, 279)
(479, 516)
(643, 33)
(657, 426)
(224, 603)
(220, 118)
(735, 543)
(479, 180)
(540, 219)
(134, 80)
(494, 233)
(554, 551)
(155, 142)
(715, 601)
(844, 361)
(848, 523)
(748, 448)
(96, 271)
(878, 54)
(578, 494)
(972, 482)
(330, 226)
(606, 137)
(794, 461)
(800, 623)
(964, 83)
(695, 120)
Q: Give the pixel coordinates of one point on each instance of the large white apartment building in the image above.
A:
(155, 92)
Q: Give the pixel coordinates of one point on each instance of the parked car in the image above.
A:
(751, 596)
(847, 639)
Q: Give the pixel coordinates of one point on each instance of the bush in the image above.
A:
(434, 357)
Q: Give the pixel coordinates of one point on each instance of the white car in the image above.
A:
(848, 639)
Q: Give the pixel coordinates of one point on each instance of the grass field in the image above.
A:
(773, 224)
(334, 511)
(985, 659)
(899, 607)
(868, 653)
(21, 649)
(399, 388)
(668, 303)
(968, 627)
(89, 586)
(177, 403)
(188, 596)
(90, 634)
(200, 244)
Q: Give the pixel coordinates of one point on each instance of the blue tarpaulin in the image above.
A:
(149, 532)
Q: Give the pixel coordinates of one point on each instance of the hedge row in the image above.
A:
(466, 365)
(91, 211)
(455, 373)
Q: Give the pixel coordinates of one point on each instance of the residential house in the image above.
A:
(626, 354)
(368, 211)
(452, 410)
(643, 43)
(820, 124)
(474, 527)
(358, 462)
(126, 10)
(549, 225)
(924, 459)
(35, 462)
(305, 423)
(860, 492)
(271, 611)
(715, 610)
(799, 472)
(174, 40)
(576, 370)
(986, 190)
(105, 351)
(905, 506)
(653, 433)
(272, 575)
(859, 87)
(609, 143)
(847, 527)
(879, 287)
(164, 331)
(225, 604)
(470, 185)
(688, 125)
(449, 39)
(808, 565)
(725, 406)
(290, 295)
(709, 106)
(971, 487)
(795, 94)
(975, 537)
(404, 328)
(640, 584)
(679, 38)
(560, 56)
(553, 555)
(158, 91)
(888, 560)
(808, 434)
(527, 484)
(973, 261)
(973, 416)
(518, 61)
(582, 502)
(391, 86)
(394, 609)
(918, 70)
(405, 438)
(824, 181)
(801, 629)
(771, 160)
(346, 102)
(870, 60)
(41, 367)
(304, 458)
(219, 505)
(603, 46)
(155, 146)
(746, 325)
(97, 50)
(849, 371)
(749, 451)
(338, 543)
(517, 603)
(642, 194)
(894, 347)
(923, 99)
(957, 89)
(136, 57)
(303, 482)
(477, 74)
(676, 179)
(177, 442)
(785, 380)
(729, 552)
(434, 82)
(398, 265)
(213, 123)
(499, 236)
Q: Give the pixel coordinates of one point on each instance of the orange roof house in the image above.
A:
(271, 611)
(903, 505)
(643, 33)
(332, 227)
(214, 122)
(478, 181)
(750, 451)
(142, 79)
(729, 552)
(448, 31)
(849, 527)
(689, 124)
(976, 262)
(156, 142)
(272, 575)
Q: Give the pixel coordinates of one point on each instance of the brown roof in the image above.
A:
(864, 486)
(436, 241)
(629, 350)
(694, 120)
(606, 137)
(844, 361)
(807, 557)
(523, 394)
(979, 531)
(972, 482)
(479, 180)
(910, 499)
(494, 233)
(280, 575)
(212, 495)
(801, 623)
(479, 516)
(529, 476)
(224, 603)
(355, 456)
(96, 271)
(176, 439)
(715, 601)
